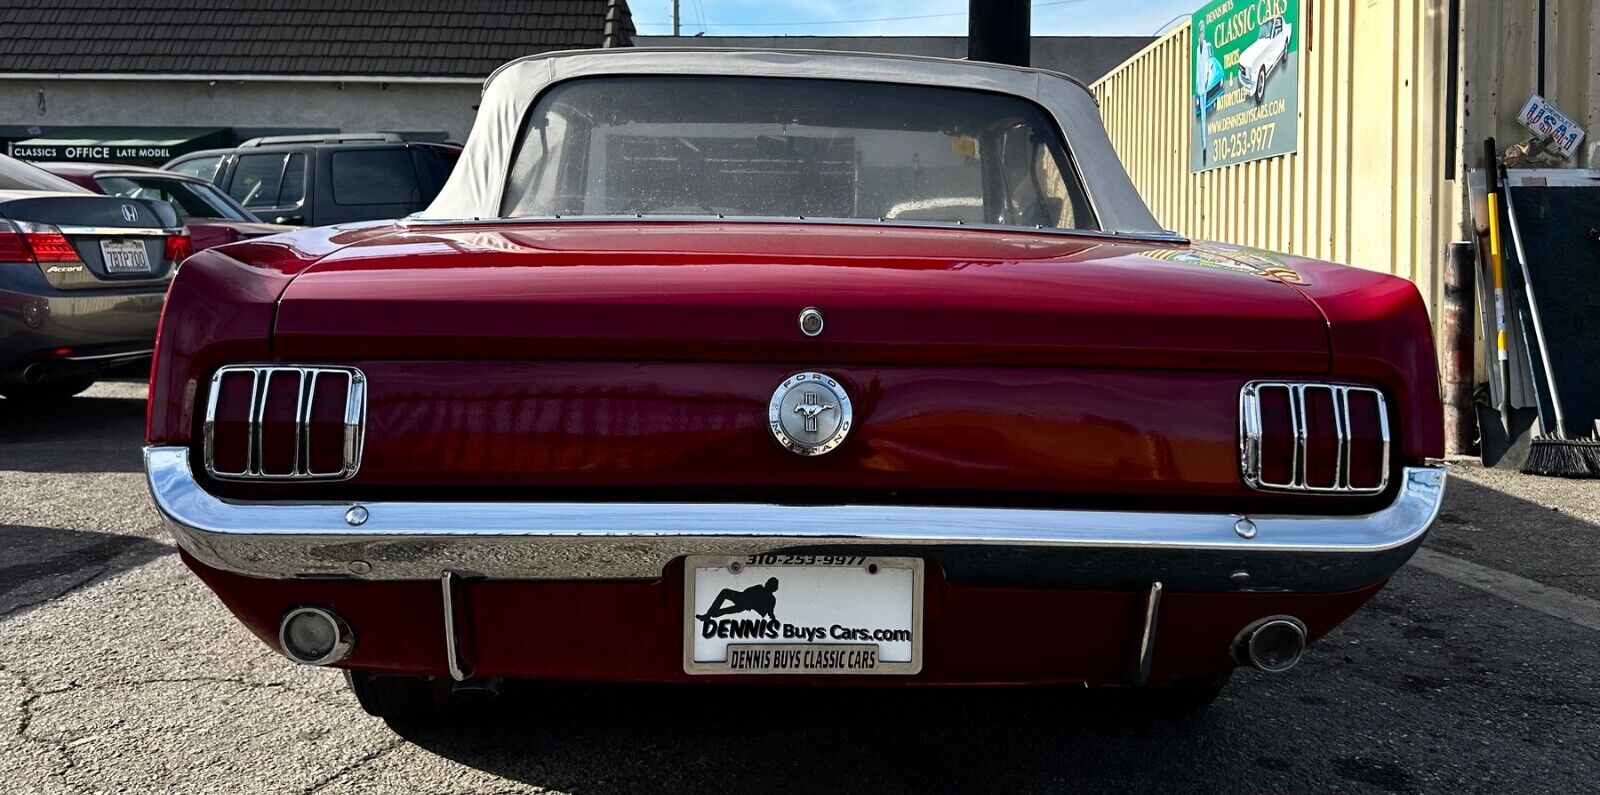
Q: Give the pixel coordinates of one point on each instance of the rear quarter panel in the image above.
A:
(1378, 331)
(220, 310)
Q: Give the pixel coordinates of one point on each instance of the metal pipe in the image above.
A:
(315, 625)
(1457, 338)
(1272, 645)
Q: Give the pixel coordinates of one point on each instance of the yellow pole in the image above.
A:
(1497, 265)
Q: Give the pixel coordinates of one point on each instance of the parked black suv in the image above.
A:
(316, 180)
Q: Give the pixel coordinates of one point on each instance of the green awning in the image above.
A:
(145, 146)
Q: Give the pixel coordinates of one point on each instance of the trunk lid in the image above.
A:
(134, 233)
(213, 232)
(733, 291)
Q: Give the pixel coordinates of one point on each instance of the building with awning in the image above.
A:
(139, 146)
(119, 82)
(89, 80)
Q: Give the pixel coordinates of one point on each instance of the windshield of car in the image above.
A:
(1266, 29)
(790, 148)
(17, 175)
(203, 167)
(191, 200)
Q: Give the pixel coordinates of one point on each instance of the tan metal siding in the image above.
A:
(1366, 185)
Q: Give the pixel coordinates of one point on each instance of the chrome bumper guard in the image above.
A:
(980, 546)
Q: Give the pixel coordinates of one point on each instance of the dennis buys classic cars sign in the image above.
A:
(1245, 81)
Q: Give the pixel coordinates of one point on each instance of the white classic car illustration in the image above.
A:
(1260, 59)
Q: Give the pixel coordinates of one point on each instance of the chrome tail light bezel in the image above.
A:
(354, 423)
(1250, 435)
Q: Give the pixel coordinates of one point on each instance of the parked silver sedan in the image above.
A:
(82, 278)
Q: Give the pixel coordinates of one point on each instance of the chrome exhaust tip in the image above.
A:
(477, 689)
(1273, 644)
(315, 636)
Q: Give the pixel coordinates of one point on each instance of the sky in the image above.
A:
(869, 17)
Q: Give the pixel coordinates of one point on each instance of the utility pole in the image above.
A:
(675, 32)
(998, 31)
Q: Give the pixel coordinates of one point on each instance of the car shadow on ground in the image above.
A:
(1344, 719)
(42, 563)
(78, 434)
(776, 739)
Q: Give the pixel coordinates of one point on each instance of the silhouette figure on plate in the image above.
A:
(760, 598)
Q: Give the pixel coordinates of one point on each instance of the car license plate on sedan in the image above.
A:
(125, 256)
(781, 613)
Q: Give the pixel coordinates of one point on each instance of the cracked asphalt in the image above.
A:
(120, 672)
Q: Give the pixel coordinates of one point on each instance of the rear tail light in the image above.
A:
(12, 247)
(1313, 437)
(179, 247)
(269, 422)
(26, 241)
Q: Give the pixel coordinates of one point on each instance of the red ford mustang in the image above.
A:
(733, 366)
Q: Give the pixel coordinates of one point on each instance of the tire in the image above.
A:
(399, 700)
(1187, 696)
(1261, 85)
(56, 389)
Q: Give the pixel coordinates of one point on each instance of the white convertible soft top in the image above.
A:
(475, 186)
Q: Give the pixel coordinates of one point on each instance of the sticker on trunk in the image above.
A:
(782, 613)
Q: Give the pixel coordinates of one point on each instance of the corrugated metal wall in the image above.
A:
(1367, 184)
(1383, 141)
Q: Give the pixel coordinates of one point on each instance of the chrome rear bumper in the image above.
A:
(986, 546)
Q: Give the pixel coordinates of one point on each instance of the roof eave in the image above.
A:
(465, 80)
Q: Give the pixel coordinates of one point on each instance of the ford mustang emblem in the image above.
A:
(130, 213)
(810, 414)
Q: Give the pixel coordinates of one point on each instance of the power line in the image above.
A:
(705, 24)
(1165, 26)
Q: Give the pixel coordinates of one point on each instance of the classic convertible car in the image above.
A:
(1263, 57)
(656, 390)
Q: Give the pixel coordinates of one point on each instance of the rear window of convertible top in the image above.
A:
(789, 147)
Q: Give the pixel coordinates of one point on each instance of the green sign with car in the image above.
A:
(1245, 83)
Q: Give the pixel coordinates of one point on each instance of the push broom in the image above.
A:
(1549, 453)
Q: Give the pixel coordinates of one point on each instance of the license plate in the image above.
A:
(779, 613)
(125, 256)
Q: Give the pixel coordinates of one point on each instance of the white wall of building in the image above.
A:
(449, 106)
(160, 102)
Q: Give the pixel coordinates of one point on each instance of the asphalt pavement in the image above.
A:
(119, 672)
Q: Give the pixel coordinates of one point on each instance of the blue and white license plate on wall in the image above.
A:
(781, 613)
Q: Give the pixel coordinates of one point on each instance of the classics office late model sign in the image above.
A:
(1245, 84)
(89, 152)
